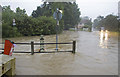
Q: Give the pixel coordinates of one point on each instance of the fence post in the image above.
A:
(74, 47)
(32, 47)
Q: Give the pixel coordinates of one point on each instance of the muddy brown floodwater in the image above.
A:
(95, 55)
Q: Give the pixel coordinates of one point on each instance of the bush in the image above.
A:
(8, 31)
(27, 25)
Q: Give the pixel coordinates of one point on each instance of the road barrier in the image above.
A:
(33, 44)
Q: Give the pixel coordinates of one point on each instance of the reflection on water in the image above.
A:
(104, 39)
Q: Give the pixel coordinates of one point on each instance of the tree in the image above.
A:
(7, 19)
(41, 21)
(98, 22)
(26, 25)
(20, 11)
(43, 10)
(110, 22)
(71, 13)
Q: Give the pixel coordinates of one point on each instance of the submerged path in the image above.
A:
(94, 56)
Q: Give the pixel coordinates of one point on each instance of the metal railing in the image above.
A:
(33, 44)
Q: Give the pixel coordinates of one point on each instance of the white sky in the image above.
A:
(91, 8)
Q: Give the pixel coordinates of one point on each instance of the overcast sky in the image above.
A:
(91, 8)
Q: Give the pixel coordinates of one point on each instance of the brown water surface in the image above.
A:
(96, 54)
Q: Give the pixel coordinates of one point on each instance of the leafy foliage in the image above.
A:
(41, 21)
(25, 25)
(71, 13)
(7, 29)
(110, 22)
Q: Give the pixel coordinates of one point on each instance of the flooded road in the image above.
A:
(96, 54)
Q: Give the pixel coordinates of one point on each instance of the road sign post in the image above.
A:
(57, 16)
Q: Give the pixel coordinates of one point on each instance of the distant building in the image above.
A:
(83, 21)
(80, 25)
